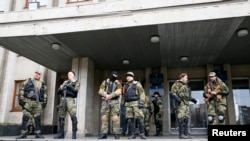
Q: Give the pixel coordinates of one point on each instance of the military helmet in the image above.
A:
(211, 74)
(130, 73)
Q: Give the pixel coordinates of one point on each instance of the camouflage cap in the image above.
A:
(211, 74)
(130, 73)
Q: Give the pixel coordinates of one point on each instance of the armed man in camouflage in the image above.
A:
(158, 113)
(33, 99)
(110, 90)
(147, 112)
(68, 92)
(182, 94)
(134, 102)
(215, 93)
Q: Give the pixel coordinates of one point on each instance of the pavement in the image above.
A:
(110, 138)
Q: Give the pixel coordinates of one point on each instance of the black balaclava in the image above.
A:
(112, 77)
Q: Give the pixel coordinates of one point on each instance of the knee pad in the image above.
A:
(210, 119)
(105, 118)
(115, 119)
(221, 118)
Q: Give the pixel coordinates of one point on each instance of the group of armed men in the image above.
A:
(138, 107)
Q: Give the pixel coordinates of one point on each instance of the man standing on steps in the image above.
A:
(158, 113)
(68, 92)
(134, 102)
(182, 94)
(33, 99)
(110, 90)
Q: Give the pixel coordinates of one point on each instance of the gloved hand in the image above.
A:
(140, 105)
(21, 102)
(194, 100)
(44, 105)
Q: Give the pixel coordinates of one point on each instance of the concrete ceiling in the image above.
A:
(204, 42)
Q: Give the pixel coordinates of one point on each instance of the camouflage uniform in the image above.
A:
(134, 102)
(147, 112)
(110, 107)
(216, 104)
(33, 98)
(158, 115)
(182, 93)
(70, 88)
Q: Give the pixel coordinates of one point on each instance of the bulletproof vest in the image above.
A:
(131, 92)
(111, 86)
(156, 107)
(30, 87)
(70, 92)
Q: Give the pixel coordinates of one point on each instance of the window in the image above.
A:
(15, 105)
(2, 3)
(41, 2)
(241, 94)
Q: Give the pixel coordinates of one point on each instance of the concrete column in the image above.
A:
(8, 87)
(147, 83)
(49, 3)
(3, 53)
(84, 69)
(230, 114)
(166, 105)
(19, 5)
(50, 111)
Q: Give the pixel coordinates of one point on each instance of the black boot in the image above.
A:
(38, 127)
(24, 128)
(157, 129)
(60, 134)
(160, 130)
(185, 128)
(103, 136)
(141, 128)
(146, 133)
(181, 130)
(74, 127)
(131, 123)
(117, 136)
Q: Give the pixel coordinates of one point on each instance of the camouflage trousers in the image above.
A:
(216, 108)
(147, 116)
(31, 109)
(70, 107)
(158, 118)
(134, 112)
(113, 110)
(183, 111)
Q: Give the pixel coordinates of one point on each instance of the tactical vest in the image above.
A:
(71, 93)
(30, 87)
(156, 107)
(131, 93)
(110, 88)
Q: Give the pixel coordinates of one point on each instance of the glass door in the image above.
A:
(241, 96)
(198, 111)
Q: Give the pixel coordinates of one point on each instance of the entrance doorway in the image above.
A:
(241, 94)
(198, 119)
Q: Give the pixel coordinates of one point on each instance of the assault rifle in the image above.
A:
(63, 101)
